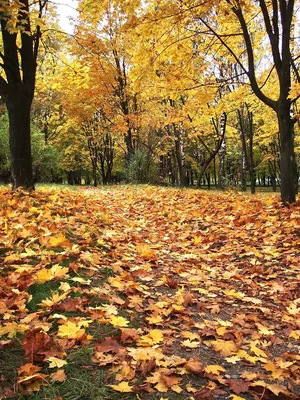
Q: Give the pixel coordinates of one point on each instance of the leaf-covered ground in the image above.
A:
(148, 293)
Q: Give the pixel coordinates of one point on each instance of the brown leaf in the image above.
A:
(129, 335)
(108, 345)
(170, 380)
(148, 366)
(58, 376)
(204, 393)
(194, 365)
(238, 386)
(36, 343)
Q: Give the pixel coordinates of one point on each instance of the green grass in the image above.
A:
(85, 381)
(11, 358)
(41, 292)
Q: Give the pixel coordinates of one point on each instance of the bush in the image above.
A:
(45, 158)
(142, 168)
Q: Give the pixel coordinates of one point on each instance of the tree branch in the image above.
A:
(251, 65)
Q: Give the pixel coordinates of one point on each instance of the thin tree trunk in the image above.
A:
(222, 152)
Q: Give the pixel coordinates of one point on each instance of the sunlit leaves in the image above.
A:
(55, 362)
(71, 330)
(146, 302)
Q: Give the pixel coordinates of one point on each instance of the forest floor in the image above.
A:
(148, 293)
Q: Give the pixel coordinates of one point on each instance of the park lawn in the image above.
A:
(148, 293)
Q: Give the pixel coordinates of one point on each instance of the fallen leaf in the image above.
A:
(214, 369)
(122, 387)
(56, 362)
(58, 376)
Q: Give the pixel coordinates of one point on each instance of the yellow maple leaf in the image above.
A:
(110, 309)
(122, 387)
(189, 335)
(64, 286)
(118, 322)
(190, 344)
(70, 330)
(154, 319)
(234, 397)
(233, 359)
(126, 373)
(258, 352)
(197, 240)
(161, 387)
(276, 371)
(222, 330)
(58, 271)
(44, 275)
(233, 293)
(264, 330)
(145, 251)
(154, 336)
(145, 354)
(295, 334)
(34, 210)
(176, 388)
(12, 328)
(59, 241)
(246, 356)
(56, 362)
(54, 299)
(214, 369)
(293, 309)
(250, 376)
(225, 347)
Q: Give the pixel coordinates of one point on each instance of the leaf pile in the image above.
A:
(171, 291)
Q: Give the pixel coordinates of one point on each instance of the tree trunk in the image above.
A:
(94, 168)
(244, 168)
(251, 156)
(18, 108)
(180, 157)
(222, 152)
(288, 168)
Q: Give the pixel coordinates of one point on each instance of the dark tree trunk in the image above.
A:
(129, 147)
(273, 183)
(278, 21)
(288, 167)
(18, 108)
(19, 56)
(95, 173)
(70, 178)
(208, 180)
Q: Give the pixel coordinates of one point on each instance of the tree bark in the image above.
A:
(222, 152)
(288, 167)
(18, 108)
(278, 20)
(19, 64)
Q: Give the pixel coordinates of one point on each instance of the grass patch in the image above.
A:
(11, 358)
(41, 292)
(101, 331)
(84, 382)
